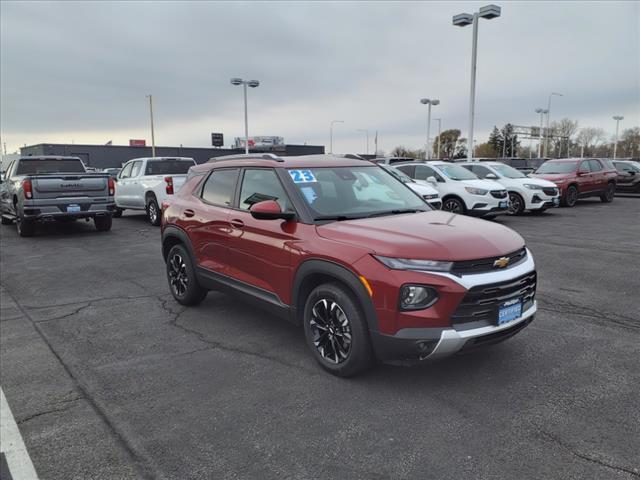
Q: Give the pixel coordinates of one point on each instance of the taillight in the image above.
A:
(169, 182)
(26, 189)
(112, 187)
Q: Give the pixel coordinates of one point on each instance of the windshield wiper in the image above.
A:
(339, 218)
(396, 212)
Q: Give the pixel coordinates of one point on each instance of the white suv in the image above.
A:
(525, 193)
(421, 187)
(461, 191)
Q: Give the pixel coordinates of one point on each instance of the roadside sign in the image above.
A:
(217, 139)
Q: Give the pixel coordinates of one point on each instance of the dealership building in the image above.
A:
(113, 156)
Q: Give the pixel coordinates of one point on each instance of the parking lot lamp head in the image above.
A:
(253, 83)
(236, 81)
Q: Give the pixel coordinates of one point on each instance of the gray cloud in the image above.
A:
(81, 70)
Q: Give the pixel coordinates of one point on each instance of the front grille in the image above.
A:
(479, 307)
(551, 192)
(499, 193)
(484, 265)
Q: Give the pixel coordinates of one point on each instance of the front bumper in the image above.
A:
(484, 211)
(537, 199)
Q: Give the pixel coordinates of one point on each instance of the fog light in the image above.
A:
(417, 297)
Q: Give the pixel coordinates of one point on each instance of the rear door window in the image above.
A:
(220, 187)
(28, 166)
(168, 166)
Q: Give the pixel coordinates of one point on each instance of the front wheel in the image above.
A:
(454, 205)
(607, 196)
(103, 224)
(182, 277)
(516, 204)
(570, 197)
(336, 331)
(153, 212)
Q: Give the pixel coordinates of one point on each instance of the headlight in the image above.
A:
(412, 264)
(417, 297)
(476, 191)
(532, 187)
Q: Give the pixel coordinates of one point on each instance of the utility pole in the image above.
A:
(153, 137)
(617, 118)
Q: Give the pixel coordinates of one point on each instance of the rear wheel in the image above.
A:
(607, 196)
(516, 204)
(570, 197)
(25, 227)
(153, 211)
(103, 224)
(182, 277)
(336, 331)
(454, 205)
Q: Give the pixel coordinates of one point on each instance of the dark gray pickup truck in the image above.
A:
(45, 188)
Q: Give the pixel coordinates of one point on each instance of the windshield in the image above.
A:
(557, 167)
(340, 193)
(29, 166)
(507, 171)
(456, 172)
(168, 166)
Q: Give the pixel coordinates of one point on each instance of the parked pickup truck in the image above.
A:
(144, 183)
(44, 188)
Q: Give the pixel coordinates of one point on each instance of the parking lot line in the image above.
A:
(17, 458)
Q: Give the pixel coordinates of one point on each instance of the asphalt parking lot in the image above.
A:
(108, 377)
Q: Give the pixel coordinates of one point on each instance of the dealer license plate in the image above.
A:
(556, 202)
(73, 208)
(509, 312)
(504, 204)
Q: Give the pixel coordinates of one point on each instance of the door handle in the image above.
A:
(237, 223)
(189, 213)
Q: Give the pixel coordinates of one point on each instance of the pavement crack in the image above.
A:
(589, 458)
(82, 306)
(66, 405)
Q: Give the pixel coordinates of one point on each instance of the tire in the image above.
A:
(516, 204)
(117, 213)
(154, 215)
(570, 197)
(345, 348)
(103, 224)
(25, 228)
(454, 205)
(182, 279)
(607, 196)
(6, 221)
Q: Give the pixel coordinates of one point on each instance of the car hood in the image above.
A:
(435, 235)
(484, 184)
(533, 181)
(422, 189)
(553, 177)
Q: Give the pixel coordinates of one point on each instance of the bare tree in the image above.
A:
(588, 139)
(563, 130)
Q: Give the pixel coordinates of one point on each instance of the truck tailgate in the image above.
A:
(69, 185)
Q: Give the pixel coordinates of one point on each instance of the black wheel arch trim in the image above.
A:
(171, 231)
(340, 273)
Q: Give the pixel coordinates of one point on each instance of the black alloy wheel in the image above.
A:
(181, 276)
(607, 196)
(331, 331)
(571, 197)
(453, 205)
(516, 204)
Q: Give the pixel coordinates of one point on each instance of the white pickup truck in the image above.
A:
(144, 183)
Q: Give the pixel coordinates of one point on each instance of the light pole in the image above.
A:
(617, 118)
(542, 113)
(546, 142)
(462, 20)
(429, 102)
(331, 134)
(153, 138)
(439, 120)
(252, 84)
(367, 132)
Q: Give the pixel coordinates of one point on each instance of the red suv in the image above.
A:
(340, 246)
(579, 178)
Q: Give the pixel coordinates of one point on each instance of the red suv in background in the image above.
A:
(342, 247)
(580, 178)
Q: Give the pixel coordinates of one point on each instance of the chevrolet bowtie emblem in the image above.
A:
(501, 262)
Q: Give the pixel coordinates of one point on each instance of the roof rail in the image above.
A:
(353, 156)
(250, 156)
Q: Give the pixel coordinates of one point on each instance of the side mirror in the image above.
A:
(269, 210)
(432, 180)
(491, 176)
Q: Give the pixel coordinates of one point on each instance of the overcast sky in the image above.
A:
(79, 71)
